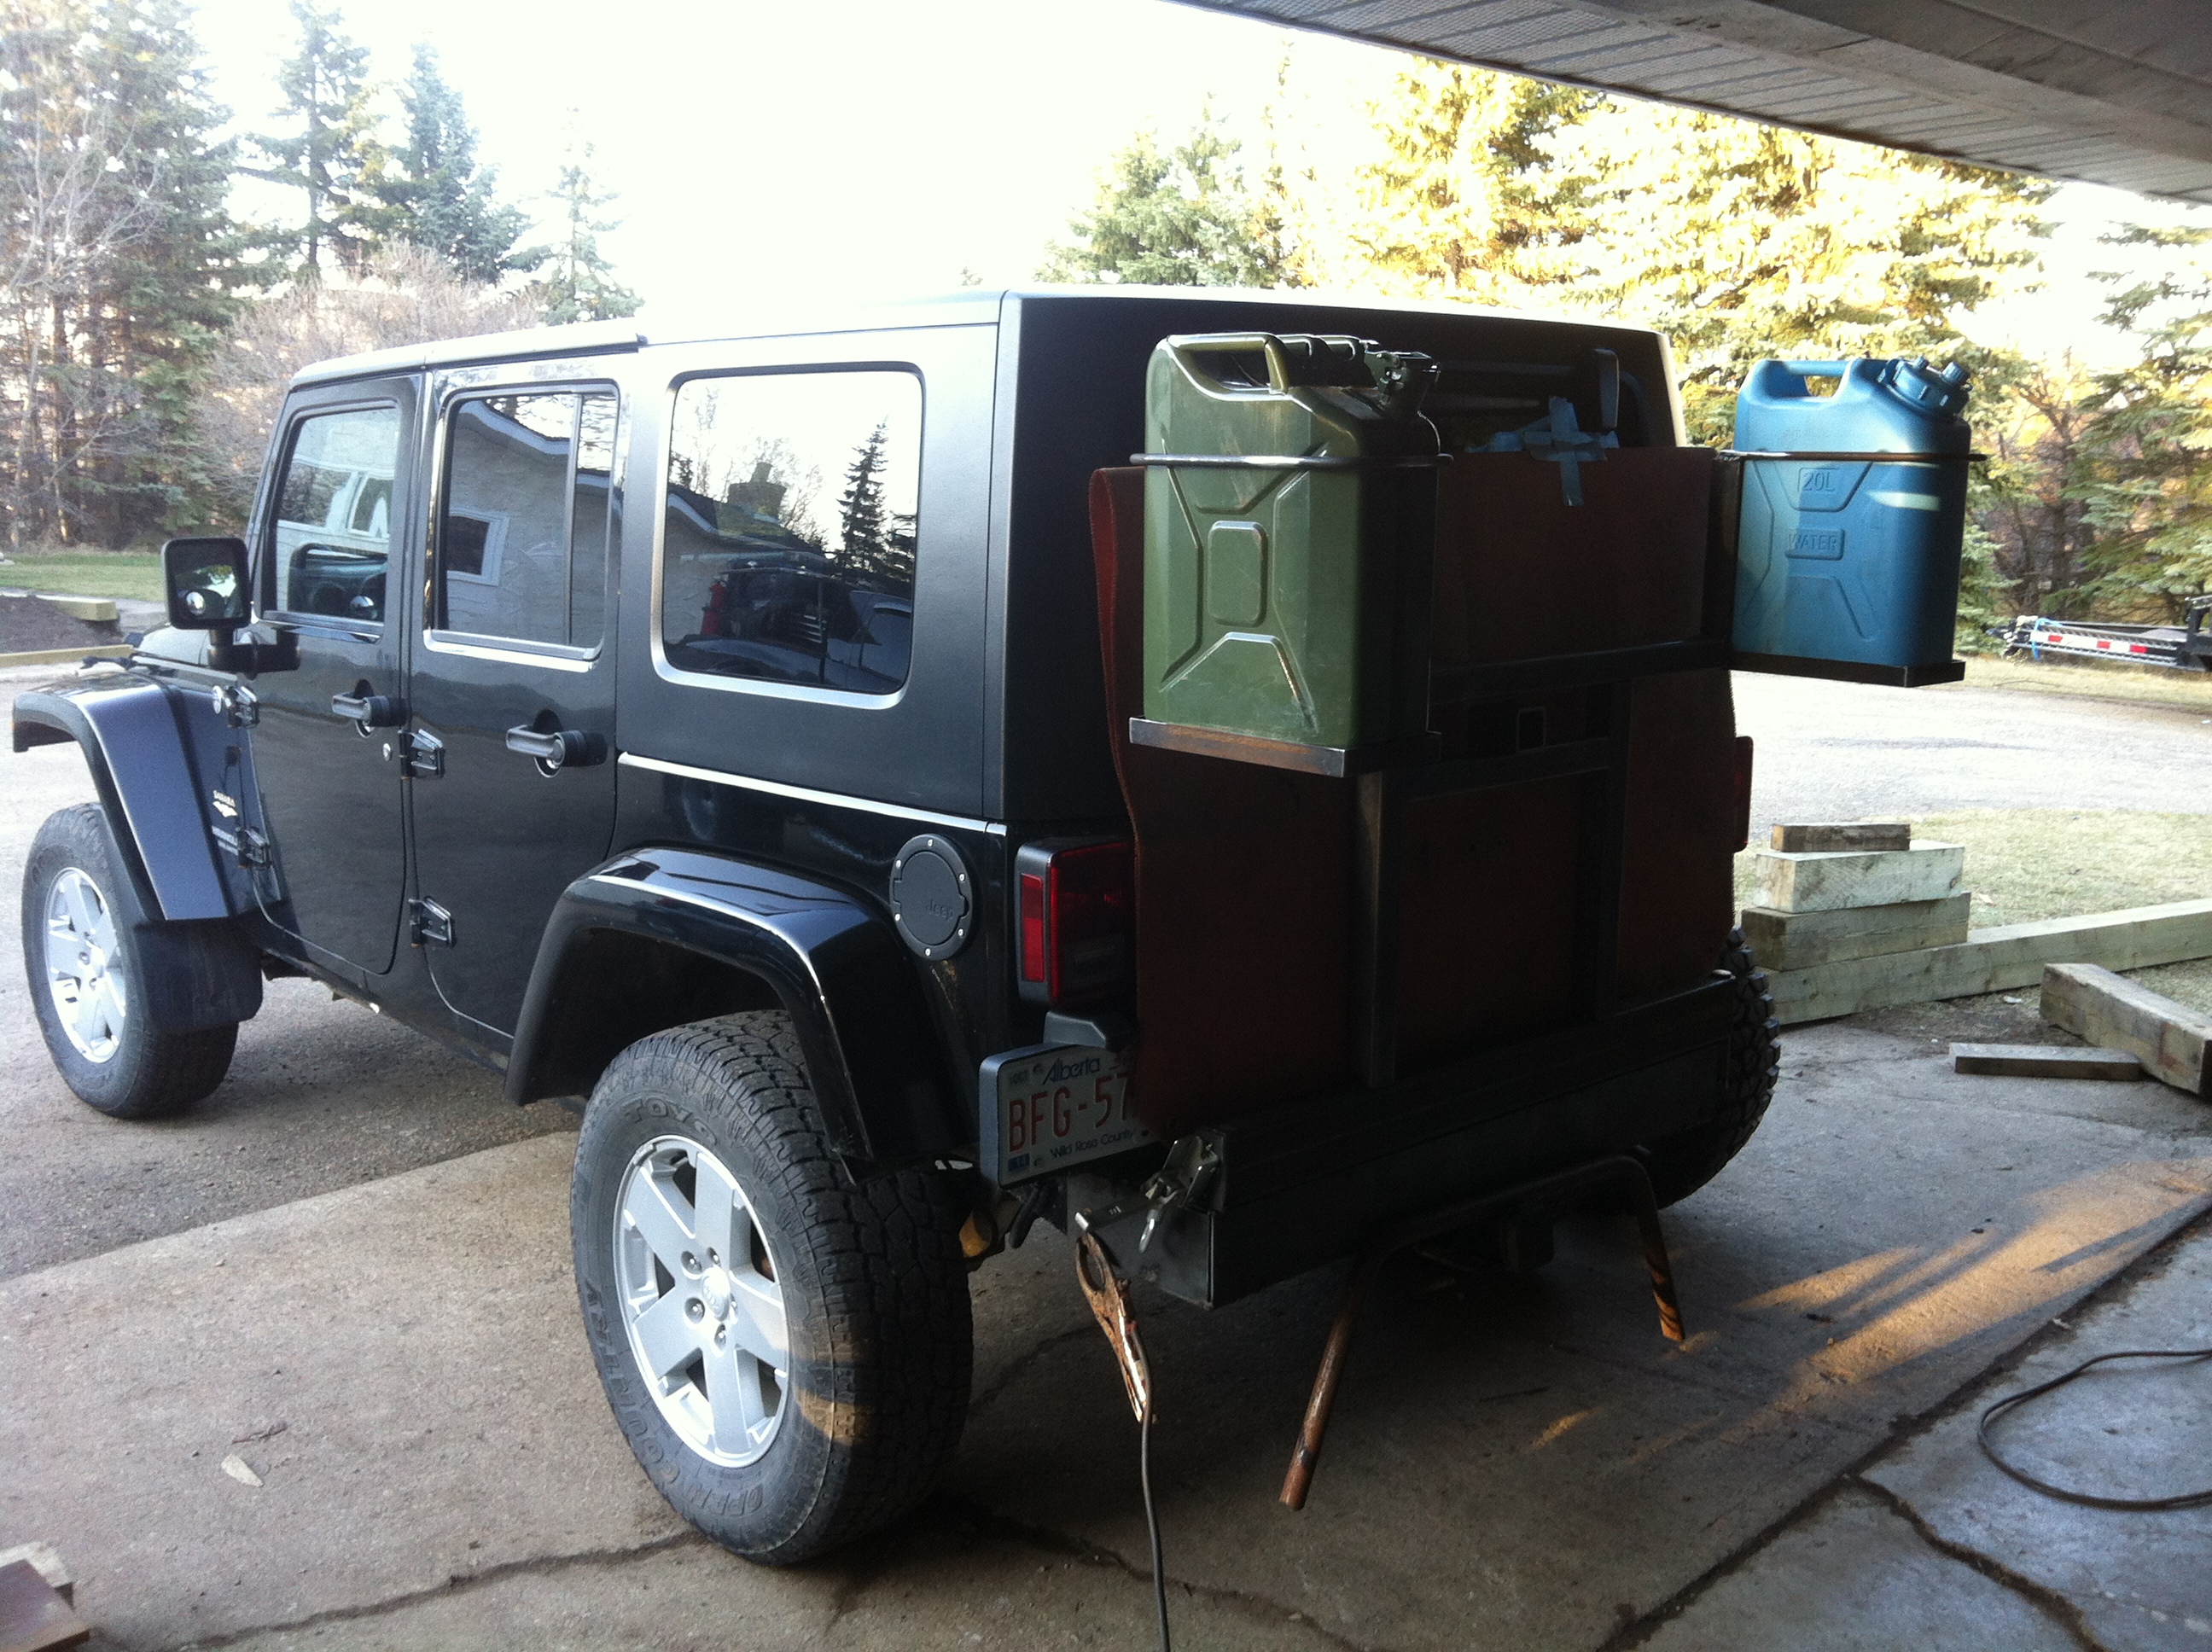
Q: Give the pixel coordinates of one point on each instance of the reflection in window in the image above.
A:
(526, 526)
(789, 551)
(333, 529)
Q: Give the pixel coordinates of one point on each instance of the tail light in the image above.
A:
(1742, 792)
(1076, 899)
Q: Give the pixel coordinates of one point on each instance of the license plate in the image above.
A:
(1054, 1106)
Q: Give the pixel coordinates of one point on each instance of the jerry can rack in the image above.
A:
(2185, 647)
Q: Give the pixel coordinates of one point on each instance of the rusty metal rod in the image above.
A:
(1655, 1254)
(1305, 1456)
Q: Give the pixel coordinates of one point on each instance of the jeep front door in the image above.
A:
(325, 738)
(511, 694)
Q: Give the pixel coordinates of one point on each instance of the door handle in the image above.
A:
(566, 747)
(369, 710)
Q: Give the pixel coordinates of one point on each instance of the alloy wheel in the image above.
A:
(83, 969)
(701, 1301)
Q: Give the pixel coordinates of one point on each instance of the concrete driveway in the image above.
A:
(1848, 751)
(1517, 1461)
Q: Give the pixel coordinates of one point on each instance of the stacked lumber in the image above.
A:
(1828, 894)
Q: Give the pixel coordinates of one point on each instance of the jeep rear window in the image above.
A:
(524, 525)
(788, 554)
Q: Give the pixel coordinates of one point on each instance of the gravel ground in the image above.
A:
(322, 1094)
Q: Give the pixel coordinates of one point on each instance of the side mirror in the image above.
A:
(207, 583)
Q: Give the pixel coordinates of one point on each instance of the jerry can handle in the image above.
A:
(1233, 343)
(1816, 369)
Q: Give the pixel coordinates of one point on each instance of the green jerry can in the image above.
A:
(1289, 519)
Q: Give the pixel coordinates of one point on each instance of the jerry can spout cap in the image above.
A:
(1937, 390)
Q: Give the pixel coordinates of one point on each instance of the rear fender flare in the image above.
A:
(834, 966)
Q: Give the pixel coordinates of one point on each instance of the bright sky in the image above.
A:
(765, 151)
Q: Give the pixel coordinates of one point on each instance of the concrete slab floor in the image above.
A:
(1517, 1461)
(2139, 1579)
(1859, 1578)
(1930, 1545)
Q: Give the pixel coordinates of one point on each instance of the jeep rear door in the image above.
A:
(512, 690)
(325, 745)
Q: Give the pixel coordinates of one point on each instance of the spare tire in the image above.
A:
(1681, 1163)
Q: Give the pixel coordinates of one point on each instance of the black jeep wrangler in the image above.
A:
(747, 733)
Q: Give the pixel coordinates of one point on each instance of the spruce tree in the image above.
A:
(1181, 218)
(174, 291)
(860, 507)
(122, 265)
(437, 195)
(334, 156)
(578, 282)
(2142, 474)
(1742, 241)
(1478, 193)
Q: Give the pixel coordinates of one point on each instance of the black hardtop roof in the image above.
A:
(968, 307)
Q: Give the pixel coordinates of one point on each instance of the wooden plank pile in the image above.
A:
(1831, 893)
(1855, 917)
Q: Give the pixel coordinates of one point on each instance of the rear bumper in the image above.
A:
(1302, 1186)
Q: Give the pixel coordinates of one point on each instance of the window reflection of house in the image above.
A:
(527, 517)
(506, 538)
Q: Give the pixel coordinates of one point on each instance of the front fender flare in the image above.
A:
(129, 733)
(836, 968)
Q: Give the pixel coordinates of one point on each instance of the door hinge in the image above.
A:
(235, 704)
(433, 925)
(245, 846)
(426, 756)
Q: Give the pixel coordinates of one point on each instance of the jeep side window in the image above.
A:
(789, 548)
(523, 527)
(333, 528)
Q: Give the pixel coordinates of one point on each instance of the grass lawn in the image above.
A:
(87, 573)
(2027, 864)
(2154, 685)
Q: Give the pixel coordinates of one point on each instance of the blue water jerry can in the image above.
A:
(1847, 560)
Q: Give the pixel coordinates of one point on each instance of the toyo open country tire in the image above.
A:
(87, 979)
(788, 1353)
(1680, 1165)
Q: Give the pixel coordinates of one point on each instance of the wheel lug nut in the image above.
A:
(695, 1309)
(721, 1336)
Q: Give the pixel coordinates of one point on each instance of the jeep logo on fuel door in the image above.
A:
(932, 897)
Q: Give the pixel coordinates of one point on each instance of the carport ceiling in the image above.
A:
(2117, 92)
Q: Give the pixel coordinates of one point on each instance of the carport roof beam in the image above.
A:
(2118, 94)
